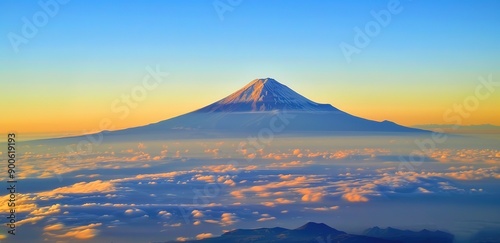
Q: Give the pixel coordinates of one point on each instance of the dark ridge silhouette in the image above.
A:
(408, 236)
(322, 233)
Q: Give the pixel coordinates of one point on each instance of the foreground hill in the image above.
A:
(322, 233)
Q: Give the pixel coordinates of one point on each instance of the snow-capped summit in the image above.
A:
(265, 95)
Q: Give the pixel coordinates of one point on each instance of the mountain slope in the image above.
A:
(266, 103)
(263, 105)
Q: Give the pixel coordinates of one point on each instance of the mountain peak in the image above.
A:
(265, 94)
(317, 228)
(314, 225)
(263, 81)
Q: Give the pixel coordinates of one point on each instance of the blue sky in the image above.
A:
(103, 47)
(253, 31)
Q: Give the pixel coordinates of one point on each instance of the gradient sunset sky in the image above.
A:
(65, 79)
